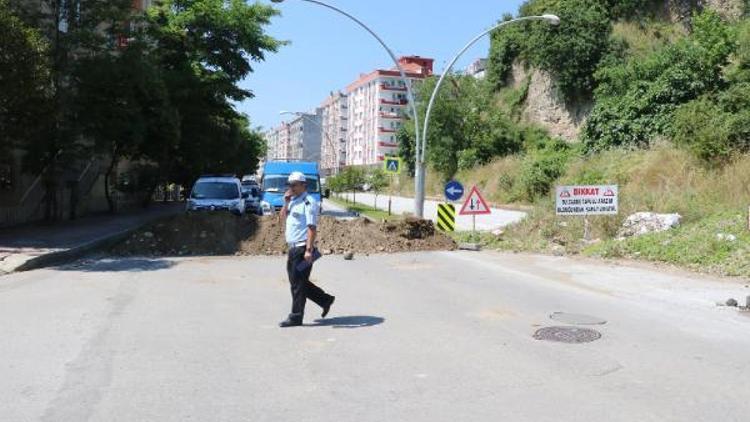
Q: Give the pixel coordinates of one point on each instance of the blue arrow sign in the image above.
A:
(454, 190)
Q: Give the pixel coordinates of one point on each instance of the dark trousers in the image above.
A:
(302, 288)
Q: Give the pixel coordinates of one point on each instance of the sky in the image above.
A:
(327, 51)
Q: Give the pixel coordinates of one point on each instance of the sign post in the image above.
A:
(392, 166)
(475, 205)
(587, 201)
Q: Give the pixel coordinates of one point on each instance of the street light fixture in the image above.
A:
(420, 193)
(419, 159)
(307, 117)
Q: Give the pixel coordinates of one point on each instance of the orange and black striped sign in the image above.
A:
(446, 218)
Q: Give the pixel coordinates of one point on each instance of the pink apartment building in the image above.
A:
(377, 103)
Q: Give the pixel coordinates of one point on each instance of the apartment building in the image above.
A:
(378, 102)
(477, 69)
(335, 125)
(299, 139)
(277, 142)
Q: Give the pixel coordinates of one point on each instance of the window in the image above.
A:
(215, 190)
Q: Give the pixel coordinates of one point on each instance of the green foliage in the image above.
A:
(570, 51)
(701, 126)
(694, 245)
(350, 179)
(466, 128)
(165, 97)
(542, 167)
(636, 99)
(406, 148)
(215, 39)
(506, 44)
(24, 77)
(713, 128)
(378, 180)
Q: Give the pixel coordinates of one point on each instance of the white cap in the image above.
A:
(297, 176)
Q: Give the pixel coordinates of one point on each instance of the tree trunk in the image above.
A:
(107, 176)
(150, 195)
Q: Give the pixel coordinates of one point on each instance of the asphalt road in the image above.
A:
(412, 337)
(399, 205)
(332, 210)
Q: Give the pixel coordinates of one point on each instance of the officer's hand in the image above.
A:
(288, 195)
(308, 257)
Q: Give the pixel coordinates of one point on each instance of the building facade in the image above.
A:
(335, 125)
(477, 69)
(378, 102)
(277, 142)
(299, 139)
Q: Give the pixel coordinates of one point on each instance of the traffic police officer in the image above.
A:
(300, 212)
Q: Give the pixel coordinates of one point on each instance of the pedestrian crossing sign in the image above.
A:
(392, 165)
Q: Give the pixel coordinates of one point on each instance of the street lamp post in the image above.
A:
(419, 160)
(420, 193)
(306, 116)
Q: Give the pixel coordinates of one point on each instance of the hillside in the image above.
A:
(651, 95)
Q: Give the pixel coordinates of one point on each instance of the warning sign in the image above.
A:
(587, 200)
(475, 204)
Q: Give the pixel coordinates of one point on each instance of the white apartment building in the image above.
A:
(299, 139)
(305, 137)
(277, 142)
(477, 69)
(335, 124)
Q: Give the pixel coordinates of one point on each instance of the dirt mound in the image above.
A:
(220, 234)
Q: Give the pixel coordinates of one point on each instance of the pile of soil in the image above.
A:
(221, 234)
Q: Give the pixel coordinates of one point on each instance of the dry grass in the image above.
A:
(643, 38)
(663, 179)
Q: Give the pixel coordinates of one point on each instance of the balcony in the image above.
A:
(402, 101)
(386, 115)
(387, 130)
(392, 88)
(387, 144)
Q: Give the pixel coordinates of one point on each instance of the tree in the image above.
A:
(125, 109)
(75, 31)
(24, 77)
(466, 127)
(351, 179)
(206, 48)
(378, 180)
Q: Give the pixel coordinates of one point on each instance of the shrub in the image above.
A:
(541, 168)
(715, 128)
(701, 127)
(636, 99)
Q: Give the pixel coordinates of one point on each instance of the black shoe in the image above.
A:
(290, 323)
(327, 307)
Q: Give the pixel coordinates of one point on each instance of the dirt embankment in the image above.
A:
(218, 234)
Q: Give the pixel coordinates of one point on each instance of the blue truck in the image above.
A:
(274, 183)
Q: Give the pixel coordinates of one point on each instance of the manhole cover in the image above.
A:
(577, 319)
(567, 334)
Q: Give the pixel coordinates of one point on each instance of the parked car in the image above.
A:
(251, 190)
(217, 193)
